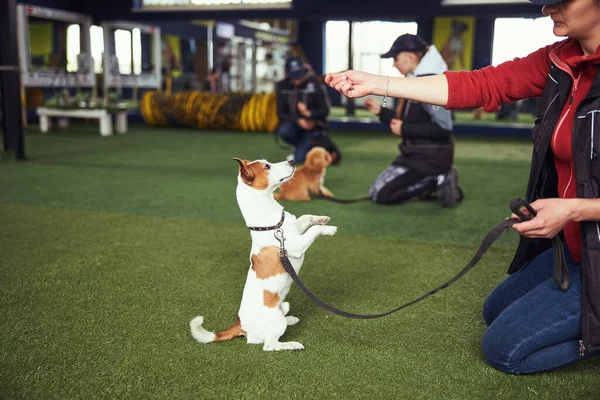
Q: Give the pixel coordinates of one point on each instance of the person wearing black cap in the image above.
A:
(302, 107)
(538, 319)
(427, 146)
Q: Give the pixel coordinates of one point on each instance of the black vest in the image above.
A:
(543, 183)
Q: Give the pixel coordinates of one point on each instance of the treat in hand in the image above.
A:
(352, 83)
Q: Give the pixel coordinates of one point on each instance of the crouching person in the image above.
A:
(424, 167)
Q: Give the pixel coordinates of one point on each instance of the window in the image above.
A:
(374, 38)
(73, 47)
(370, 40)
(97, 39)
(123, 50)
(137, 51)
(128, 49)
(517, 37)
(336, 46)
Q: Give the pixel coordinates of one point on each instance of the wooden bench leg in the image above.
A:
(106, 128)
(44, 123)
(121, 122)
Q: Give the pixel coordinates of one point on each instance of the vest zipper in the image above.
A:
(574, 90)
(581, 348)
(560, 122)
(593, 154)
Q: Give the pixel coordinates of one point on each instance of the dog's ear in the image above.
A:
(315, 159)
(246, 173)
(309, 162)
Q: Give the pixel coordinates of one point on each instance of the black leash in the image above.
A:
(561, 274)
(343, 201)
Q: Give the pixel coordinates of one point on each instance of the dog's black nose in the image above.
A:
(292, 162)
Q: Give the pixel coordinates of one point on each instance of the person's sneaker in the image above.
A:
(448, 192)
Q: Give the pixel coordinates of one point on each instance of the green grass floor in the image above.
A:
(110, 246)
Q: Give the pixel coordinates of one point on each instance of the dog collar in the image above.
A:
(269, 228)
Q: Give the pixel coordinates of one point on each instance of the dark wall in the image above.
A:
(311, 37)
(302, 9)
(67, 5)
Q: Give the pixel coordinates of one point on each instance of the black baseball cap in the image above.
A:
(545, 2)
(406, 42)
(294, 67)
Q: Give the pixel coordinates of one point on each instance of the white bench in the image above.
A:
(63, 115)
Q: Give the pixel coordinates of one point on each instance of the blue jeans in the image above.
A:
(297, 137)
(533, 325)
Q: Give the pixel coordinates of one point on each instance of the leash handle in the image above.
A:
(560, 274)
(516, 206)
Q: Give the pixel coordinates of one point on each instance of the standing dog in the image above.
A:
(308, 178)
(262, 316)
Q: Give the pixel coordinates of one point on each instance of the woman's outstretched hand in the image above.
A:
(352, 83)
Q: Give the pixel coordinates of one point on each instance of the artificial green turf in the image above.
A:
(110, 246)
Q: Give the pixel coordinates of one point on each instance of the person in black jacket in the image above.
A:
(302, 107)
(427, 147)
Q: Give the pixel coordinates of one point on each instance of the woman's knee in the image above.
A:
(497, 354)
(490, 308)
(385, 197)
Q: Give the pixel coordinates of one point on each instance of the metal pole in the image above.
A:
(10, 81)
(254, 62)
(350, 106)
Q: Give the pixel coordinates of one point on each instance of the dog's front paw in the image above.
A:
(292, 320)
(278, 346)
(320, 220)
(328, 230)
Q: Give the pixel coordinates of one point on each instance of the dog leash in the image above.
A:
(560, 272)
(427, 196)
(343, 201)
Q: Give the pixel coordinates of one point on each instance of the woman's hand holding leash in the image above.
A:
(552, 216)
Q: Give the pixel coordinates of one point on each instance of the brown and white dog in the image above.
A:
(308, 178)
(262, 316)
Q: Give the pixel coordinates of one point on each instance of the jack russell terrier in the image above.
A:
(262, 316)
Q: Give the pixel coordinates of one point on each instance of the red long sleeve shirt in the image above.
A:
(524, 78)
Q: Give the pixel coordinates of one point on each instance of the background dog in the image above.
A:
(308, 178)
(262, 316)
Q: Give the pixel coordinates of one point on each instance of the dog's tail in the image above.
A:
(204, 336)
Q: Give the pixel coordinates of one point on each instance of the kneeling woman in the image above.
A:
(427, 147)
